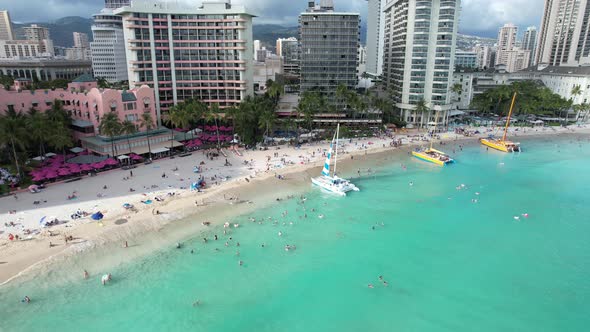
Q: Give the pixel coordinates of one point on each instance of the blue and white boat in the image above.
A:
(333, 183)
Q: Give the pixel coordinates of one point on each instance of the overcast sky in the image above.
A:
(479, 17)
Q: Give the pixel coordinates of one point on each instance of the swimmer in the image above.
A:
(370, 286)
(240, 263)
(516, 218)
(215, 237)
(321, 216)
(526, 215)
(477, 193)
(411, 183)
(381, 278)
(26, 299)
(205, 239)
(237, 253)
(178, 245)
(237, 244)
(196, 303)
(192, 251)
(280, 233)
(85, 274)
(227, 244)
(385, 283)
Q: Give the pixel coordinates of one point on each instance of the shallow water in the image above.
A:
(451, 264)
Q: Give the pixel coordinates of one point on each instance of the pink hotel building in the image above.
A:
(87, 105)
(202, 52)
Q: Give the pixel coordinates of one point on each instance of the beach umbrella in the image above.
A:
(64, 171)
(136, 157)
(38, 178)
(86, 167)
(198, 142)
(110, 162)
(97, 216)
(230, 128)
(97, 165)
(50, 175)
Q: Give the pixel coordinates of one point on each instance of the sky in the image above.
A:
(478, 17)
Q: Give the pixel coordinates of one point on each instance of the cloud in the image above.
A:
(485, 17)
(480, 17)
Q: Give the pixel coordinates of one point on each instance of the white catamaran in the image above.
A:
(333, 184)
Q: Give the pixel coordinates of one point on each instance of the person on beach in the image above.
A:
(85, 274)
(126, 245)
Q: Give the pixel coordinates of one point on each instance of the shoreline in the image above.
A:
(22, 258)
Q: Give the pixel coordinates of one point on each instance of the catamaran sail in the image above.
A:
(333, 183)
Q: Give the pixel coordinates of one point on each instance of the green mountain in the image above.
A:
(61, 29)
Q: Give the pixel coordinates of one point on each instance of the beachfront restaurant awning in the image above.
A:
(77, 149)
(160, 150)
(144, 149)
(123, 157)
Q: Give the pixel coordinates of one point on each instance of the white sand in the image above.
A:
(16, 256)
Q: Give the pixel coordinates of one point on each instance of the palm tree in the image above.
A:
(38, 127)
(128, 128)
(58, 114)
(110, 126)
(180, 116)
(13, 131)
(266, 120)
(274, 90)
(147, 122)
(60, 139)
(576, 91)
(422, 107)
(457, 88)
(211, 114)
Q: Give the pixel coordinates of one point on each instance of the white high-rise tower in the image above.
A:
(419, 55)
(375, 34)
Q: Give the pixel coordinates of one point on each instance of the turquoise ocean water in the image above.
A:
(451, 263)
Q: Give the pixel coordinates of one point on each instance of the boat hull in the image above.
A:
(500, 145)
(327, 184)
(425, 157)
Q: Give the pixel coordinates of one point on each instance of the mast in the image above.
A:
(509, 114)
(336, 149)
(434, 131)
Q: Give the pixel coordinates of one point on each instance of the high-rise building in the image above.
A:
(108, 47)
(256, 49)
(40, 35)
(202, 52)
(506, 42)
(114, 4)
(419, 55)
(375, 33)
(529, 42)
(6, 32)
(465, 59)
(484, 56)
(81, 40)
(36, 33)
(329, 49)
(517, 59)
(288, 49)
(564, 35)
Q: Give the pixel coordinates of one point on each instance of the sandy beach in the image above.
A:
(249, 182)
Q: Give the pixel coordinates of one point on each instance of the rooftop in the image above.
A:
(84, 79)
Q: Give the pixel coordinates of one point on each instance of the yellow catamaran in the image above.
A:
(503, 144)
(432, 155)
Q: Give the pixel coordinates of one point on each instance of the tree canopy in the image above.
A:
(532, 98)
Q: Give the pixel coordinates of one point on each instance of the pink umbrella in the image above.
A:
(86, 167)
(229, 128)
(110, 162)
(198, 142)
(98, 165)
(38, 178)
(221, 128)
(51, 175)
(136, 157)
